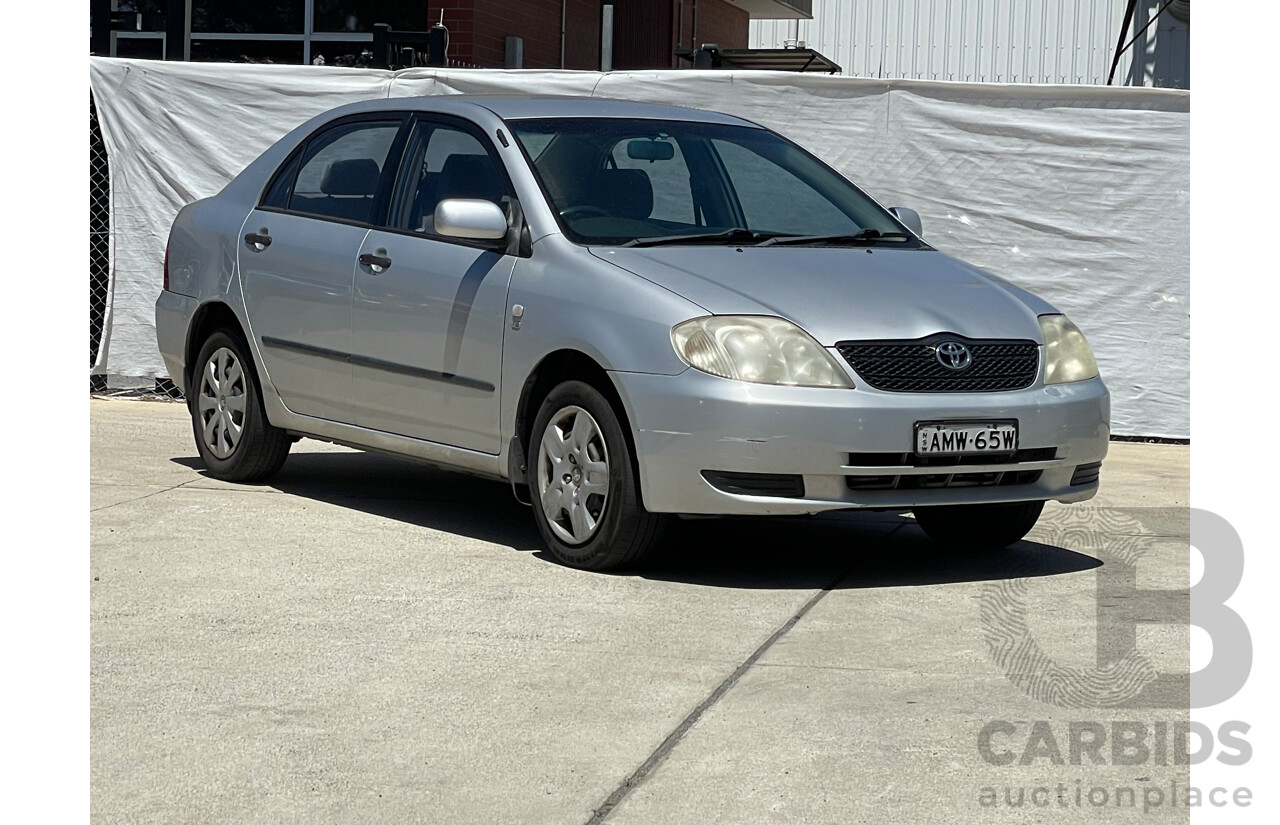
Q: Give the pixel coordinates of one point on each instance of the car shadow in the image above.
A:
(843, 550)
(406, 491)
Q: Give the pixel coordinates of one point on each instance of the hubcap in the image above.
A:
(220, 403)
(573, 475)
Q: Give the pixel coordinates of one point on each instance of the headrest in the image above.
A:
(358, 176)
(626, 193)
(471, 176)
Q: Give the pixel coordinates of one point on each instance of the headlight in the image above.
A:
(1067, 356)
(756, 348)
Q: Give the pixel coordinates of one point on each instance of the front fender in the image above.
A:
(572, 300)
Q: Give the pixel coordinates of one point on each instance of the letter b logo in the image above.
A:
(1124, 676)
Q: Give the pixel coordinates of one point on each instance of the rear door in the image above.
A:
(428, 325)
(298, 254)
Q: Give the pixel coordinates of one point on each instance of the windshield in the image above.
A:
(651, 182)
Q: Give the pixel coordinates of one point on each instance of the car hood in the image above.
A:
(839, 294)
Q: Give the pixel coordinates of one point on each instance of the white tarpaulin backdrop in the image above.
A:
(1078, 193)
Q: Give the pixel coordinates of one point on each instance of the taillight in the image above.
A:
(166, 268)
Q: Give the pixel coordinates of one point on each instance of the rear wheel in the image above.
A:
(974, 527)
(586, 494)
(234, 438)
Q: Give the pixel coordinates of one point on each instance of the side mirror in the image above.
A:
(472, 219)
(910, 217)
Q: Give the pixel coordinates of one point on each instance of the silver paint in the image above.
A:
(425, 336)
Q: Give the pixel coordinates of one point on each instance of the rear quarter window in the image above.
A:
(338, 174)
(277, 194)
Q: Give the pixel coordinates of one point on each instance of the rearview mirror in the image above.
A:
(650, 150)
(472, 219)
(910, 217)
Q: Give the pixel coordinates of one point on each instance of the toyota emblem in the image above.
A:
(953, 355)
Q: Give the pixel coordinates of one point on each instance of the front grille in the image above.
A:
(1004, 478)
(913, 366)
(777, 485)
(917, 482)
(913, 460)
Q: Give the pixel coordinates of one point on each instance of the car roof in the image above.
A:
(514, 108)
(509, 107)
(477, 108)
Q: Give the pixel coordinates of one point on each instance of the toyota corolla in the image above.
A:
(629, 312)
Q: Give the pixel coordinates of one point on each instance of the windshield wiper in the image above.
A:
(735, 235)
(868, 235)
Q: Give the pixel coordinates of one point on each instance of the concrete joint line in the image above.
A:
(640, 774)
(139, 498)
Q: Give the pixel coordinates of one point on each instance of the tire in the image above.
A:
(235, 440)
(588, 522)
(976, 527)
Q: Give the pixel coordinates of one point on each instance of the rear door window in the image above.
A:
(341, 171)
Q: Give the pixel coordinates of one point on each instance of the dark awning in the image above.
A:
(774, 60)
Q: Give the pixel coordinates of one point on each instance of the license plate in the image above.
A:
(966, 437)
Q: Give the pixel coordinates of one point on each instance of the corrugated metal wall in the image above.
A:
(999, 41)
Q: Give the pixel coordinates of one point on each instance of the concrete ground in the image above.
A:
(367, 640)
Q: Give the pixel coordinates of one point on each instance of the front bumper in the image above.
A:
(693, 422)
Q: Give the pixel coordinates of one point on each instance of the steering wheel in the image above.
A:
(584, 210)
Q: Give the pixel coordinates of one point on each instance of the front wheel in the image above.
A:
(975, 527)
(235, 440)
(585, 486)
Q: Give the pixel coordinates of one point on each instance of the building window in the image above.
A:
(146, 48)
(332, 32)
(360, 15)
(249, 16)
(246, 51)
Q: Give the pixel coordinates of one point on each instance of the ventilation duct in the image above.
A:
(1181, 10)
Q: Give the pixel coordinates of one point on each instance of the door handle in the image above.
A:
(376, 262)
(258, 241)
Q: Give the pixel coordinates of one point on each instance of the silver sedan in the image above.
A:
(628, 311)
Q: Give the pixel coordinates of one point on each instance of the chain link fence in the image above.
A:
(99, 239)
(100, 273)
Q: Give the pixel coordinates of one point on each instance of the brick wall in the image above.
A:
(645, 31)
(459, 20)
(478, 30)
(582, 45)
(643, 34)
(717, 22)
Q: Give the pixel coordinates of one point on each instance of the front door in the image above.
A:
(429, 312)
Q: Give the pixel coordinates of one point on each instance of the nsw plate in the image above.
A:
(966, 437)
